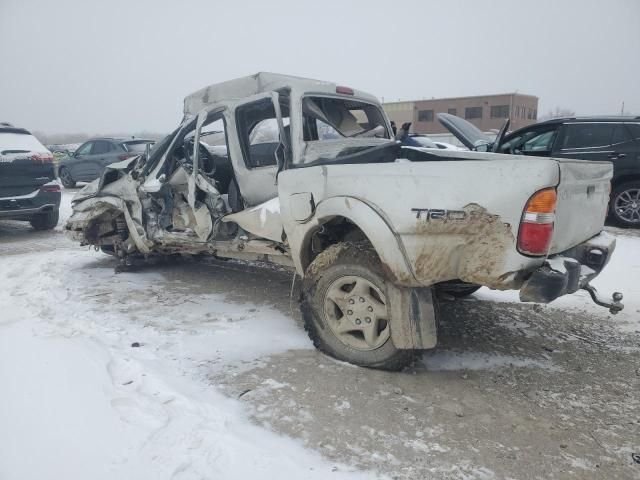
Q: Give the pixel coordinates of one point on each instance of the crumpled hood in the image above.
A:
(91, 189)
(87, 191)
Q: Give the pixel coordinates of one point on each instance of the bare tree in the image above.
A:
(559, 112)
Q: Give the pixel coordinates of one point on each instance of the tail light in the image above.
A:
(536, 226)
(50, 187)
(124, 156)
(42, 157)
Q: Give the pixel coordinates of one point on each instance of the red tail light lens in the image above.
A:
(124, 156)
(536, 226)
(53, 187)
(42, 157)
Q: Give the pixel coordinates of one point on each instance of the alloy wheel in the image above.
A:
(627, 205)
(356, 312)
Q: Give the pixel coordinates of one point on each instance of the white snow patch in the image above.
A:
(79, 402)
(620, 275)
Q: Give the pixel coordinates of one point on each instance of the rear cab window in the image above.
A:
(335, 128)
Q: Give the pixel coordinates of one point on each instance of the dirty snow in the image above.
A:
(115, 376)
(103, 377)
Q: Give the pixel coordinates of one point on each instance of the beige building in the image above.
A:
(487, 112)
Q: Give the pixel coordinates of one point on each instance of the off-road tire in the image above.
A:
(65, 177)
(620, 190)
(45, 221)
(341, 260)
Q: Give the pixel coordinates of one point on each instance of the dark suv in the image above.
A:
(28, 188)
(616, 139)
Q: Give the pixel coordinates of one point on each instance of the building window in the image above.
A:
(425, 115)
(535, 114)
(500, 111)
(452, 111)
(473, 112)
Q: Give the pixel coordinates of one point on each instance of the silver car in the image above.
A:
(90, 159)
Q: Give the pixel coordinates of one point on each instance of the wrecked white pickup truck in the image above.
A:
(307, 174)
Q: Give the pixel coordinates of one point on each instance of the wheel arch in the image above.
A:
(624, 179)
(332, 214)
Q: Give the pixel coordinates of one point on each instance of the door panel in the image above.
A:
(257, 168)
(79, 165)
(626, 150)
(99, 158)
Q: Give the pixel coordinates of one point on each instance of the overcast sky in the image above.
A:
(115, 66)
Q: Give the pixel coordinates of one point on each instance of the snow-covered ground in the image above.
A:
(113, 376)
(622, 274)
(80, 399)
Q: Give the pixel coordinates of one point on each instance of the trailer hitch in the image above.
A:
(614, 305)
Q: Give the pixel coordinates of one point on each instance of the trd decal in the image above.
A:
(429, 214)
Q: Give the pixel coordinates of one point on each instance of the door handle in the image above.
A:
(615, 156)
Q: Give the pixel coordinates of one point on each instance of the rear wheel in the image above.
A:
(45, 221)
(346, 309)
(625, 204)
(66, 178)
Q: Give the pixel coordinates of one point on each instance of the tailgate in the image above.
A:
(583, 196)
(21, 176)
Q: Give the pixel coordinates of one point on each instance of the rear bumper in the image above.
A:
(568, 271)
(26, 206)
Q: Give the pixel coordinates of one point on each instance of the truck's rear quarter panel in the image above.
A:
(477, 245)
(583, 197)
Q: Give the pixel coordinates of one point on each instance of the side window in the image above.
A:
(587, 135)
(84, 149)
(266, 131)
(258, 131)
(100, 147)
(620, 135)
(213, 133)
(634, 128)
(540, 143)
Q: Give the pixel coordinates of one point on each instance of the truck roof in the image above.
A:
(260, 82)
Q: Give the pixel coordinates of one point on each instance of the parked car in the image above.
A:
(447, 146)
(373, 228)
(615, 139)
(420, 140)
(28, 187)
(90, 159)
